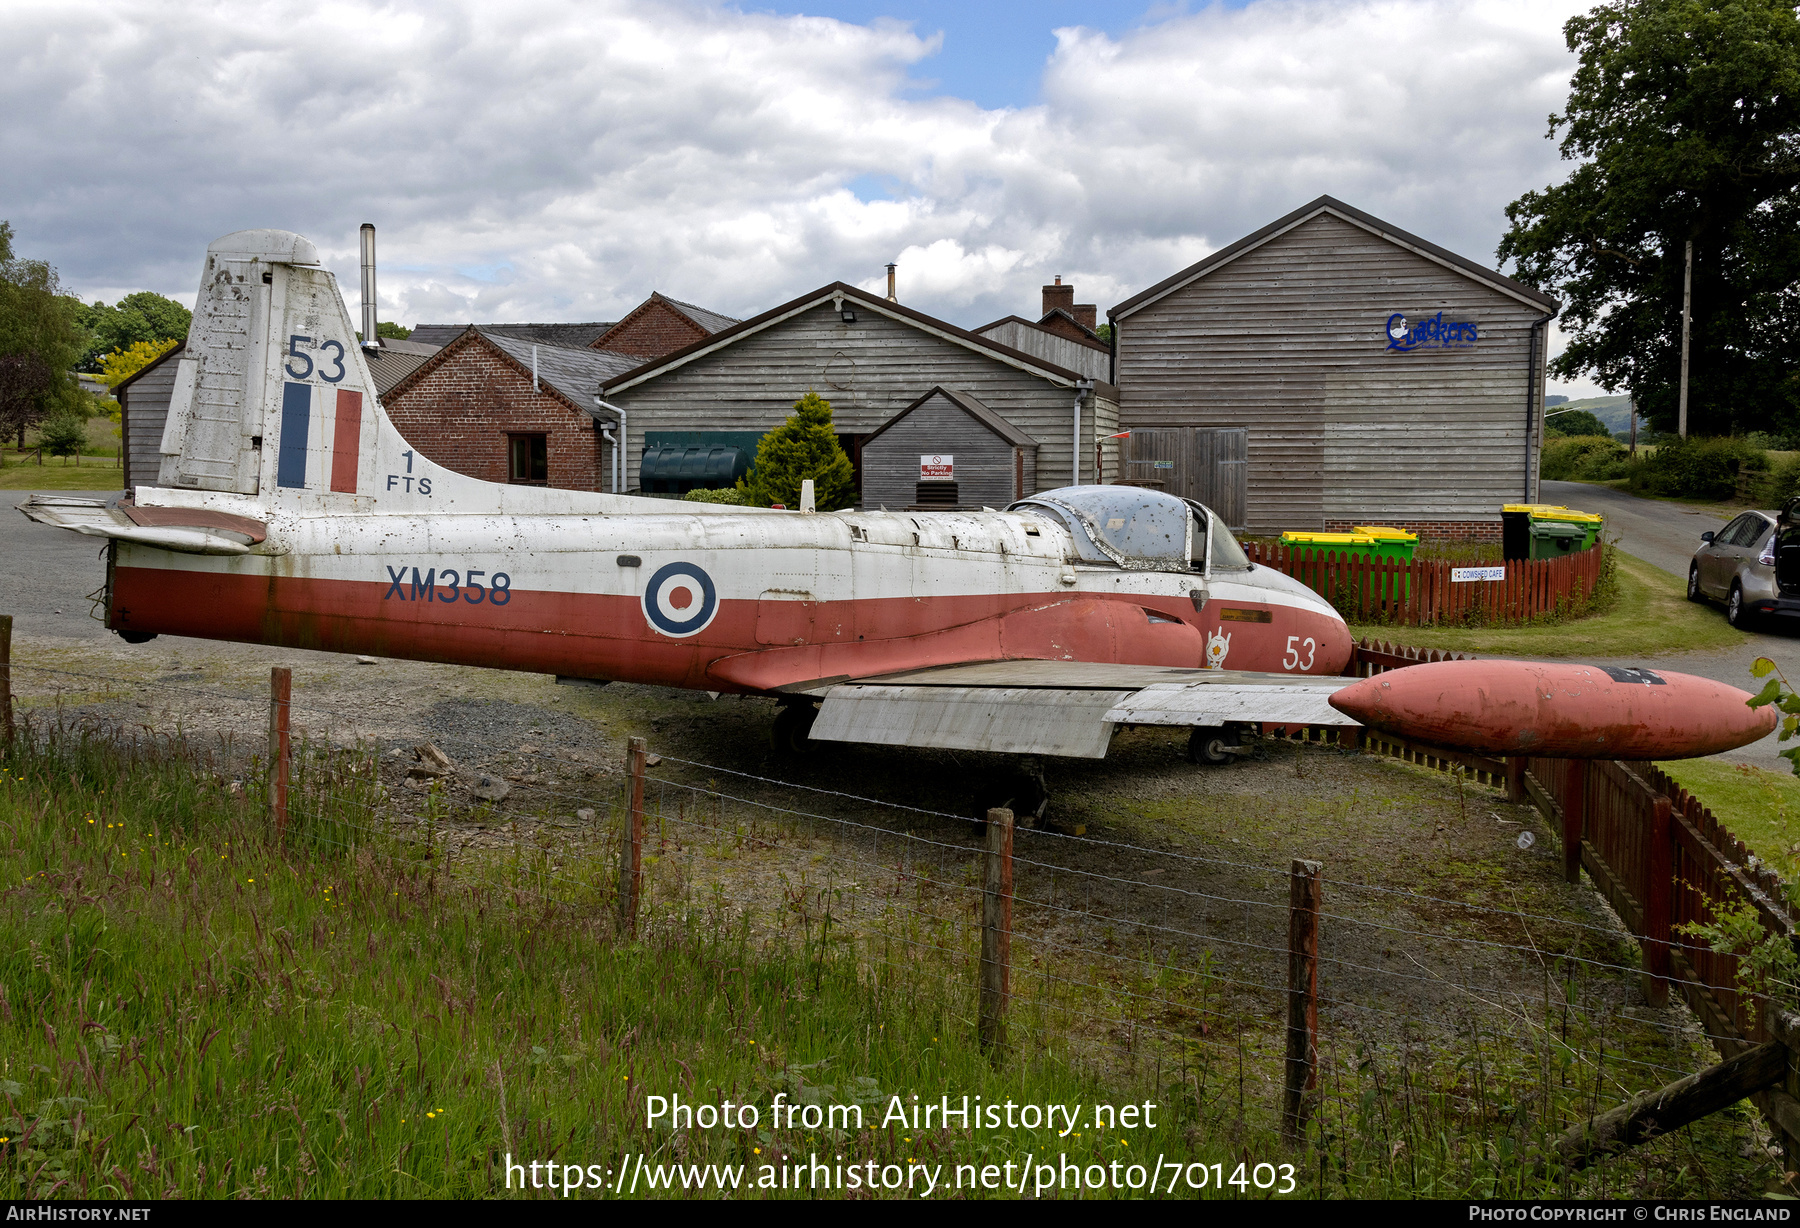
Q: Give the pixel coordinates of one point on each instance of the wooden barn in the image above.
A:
(1332, 370)
(872, 358)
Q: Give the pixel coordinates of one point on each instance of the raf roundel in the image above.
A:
(680, 600)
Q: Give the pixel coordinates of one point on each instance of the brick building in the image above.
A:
(659, 326)
(497, 407)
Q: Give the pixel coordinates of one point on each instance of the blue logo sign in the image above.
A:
(1430, 333)
(680, 600)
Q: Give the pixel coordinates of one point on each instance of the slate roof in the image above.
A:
(572, 336)
(574, 371)
(394, 361)
(711, 321)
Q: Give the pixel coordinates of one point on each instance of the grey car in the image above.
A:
(1736, 565)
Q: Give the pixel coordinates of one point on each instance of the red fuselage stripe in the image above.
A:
(749, 646)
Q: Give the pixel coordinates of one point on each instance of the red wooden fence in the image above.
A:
(1423, 591)
(1661, 859)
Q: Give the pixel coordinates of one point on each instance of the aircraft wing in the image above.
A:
(1060, 707)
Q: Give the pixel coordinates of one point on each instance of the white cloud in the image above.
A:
(569, 156)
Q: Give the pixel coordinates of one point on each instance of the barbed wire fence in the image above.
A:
(1270, 997)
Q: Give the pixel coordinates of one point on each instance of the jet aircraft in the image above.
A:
(289, 511)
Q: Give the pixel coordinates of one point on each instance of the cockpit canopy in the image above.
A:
(1139, 529)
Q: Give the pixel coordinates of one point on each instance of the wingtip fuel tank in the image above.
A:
(1557, 711)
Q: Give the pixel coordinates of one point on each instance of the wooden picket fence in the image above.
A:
(1423, 592)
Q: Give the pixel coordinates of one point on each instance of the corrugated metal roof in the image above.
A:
(575, 372)
(572, 336)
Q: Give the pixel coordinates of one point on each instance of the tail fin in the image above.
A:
(272, 391)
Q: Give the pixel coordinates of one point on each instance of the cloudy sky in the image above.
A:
(560, 159)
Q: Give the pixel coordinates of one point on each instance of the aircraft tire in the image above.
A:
(1206, 745)
(788, 735)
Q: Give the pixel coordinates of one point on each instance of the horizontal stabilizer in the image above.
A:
(216, 534)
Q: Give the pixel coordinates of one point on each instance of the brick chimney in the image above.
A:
(1086, 314)
(1059, 296)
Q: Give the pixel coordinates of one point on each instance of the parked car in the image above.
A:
(1738, 565)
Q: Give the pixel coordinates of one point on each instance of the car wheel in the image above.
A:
(1694, 593)
(1736, 612)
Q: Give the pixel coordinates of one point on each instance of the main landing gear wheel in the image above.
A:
(1694, 593)
(1024, 792)
(1211, 745)
(792, 728)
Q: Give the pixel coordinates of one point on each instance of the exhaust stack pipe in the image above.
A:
(891, 297)
(370, 340)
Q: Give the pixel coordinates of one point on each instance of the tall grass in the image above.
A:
(189, 1008)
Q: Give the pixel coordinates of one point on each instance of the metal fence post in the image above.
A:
(1659, 886)
(1574, 808)
(1302, 1071)
(631, 850)
(281, 686)
(996, 932)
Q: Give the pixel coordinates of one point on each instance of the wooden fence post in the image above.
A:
(1302, 1072)
(1659, 886)
(281, 688)
(631, 849)
(6, 707)
(1515, 778)
(1574, 811)
(996, 932)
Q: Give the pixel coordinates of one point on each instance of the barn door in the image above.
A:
(1154, 454)
(1220, 471)
(1210, 464)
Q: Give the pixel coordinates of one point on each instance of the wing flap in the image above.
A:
(1009, 720)
(1196, 704)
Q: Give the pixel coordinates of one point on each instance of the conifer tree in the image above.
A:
(802, 447)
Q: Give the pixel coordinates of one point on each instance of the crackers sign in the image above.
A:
(1461, 575)
(937, 469)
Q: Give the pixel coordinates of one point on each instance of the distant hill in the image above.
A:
(1614, 411)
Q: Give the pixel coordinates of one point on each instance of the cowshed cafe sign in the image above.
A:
(1408, 333)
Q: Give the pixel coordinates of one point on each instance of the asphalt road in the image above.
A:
(1666, 536)
(46, 574)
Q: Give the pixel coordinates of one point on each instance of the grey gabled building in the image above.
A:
(871, 358)
(1330, 370)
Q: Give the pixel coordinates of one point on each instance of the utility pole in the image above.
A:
(1687, 308)
(1633, 428)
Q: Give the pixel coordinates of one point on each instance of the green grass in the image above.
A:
(1759, 806)
(59, 473)
(1650, 616)
(190, 1009)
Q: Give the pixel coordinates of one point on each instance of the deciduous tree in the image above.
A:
(40, 337)
(1684, 119)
